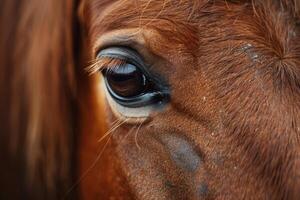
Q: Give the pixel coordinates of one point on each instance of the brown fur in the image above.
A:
(257, 98)
(248, 121)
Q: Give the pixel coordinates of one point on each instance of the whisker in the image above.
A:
(115, 122)
(117, 125)
(93, 164)
(89, 169)
(127, 134)
(135, 137)
(113, 125)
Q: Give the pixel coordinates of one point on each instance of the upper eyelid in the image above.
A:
(132, 56)
(127, 54)
(124, 53)
(134, 39)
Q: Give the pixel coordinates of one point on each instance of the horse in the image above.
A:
(150, 99)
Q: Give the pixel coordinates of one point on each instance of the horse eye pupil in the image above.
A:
(126, 80)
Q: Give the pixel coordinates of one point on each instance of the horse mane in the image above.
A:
(37, 89)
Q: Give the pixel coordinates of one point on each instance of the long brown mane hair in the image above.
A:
(37, 89)
(40, 55)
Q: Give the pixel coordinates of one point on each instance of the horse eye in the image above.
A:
(130, 84)
(126, 81)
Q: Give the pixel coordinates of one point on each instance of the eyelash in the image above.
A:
(100, 63)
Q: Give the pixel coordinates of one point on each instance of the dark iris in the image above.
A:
(126, 81)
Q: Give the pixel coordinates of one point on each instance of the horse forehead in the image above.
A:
(141, 12)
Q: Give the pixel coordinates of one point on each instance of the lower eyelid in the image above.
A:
(134, 114)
